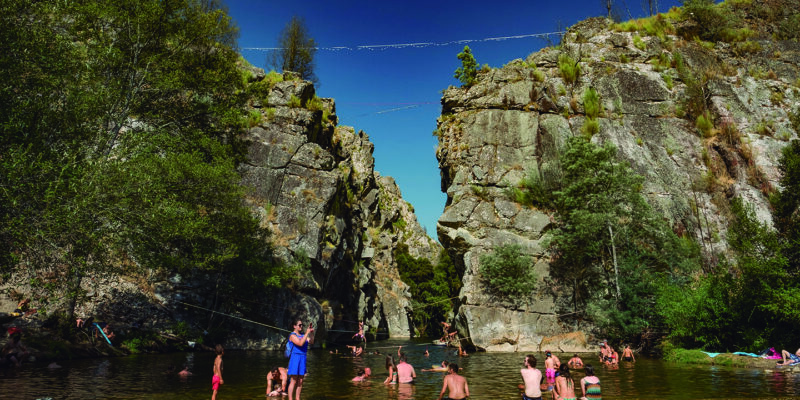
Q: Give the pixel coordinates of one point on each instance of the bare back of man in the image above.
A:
(455, 385)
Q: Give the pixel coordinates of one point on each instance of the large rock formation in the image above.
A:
(516, 119)
(314, 186)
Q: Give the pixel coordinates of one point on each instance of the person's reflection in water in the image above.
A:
(405, 391)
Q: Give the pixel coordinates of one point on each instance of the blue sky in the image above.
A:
(393, 94)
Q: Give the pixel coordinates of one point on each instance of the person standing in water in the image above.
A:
(216, 380)
(590, 384)
(455, 385)
(627, 354)
(564, 388)
(532, 379)
(550, 367)
(297, 362)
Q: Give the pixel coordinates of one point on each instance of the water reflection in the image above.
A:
(490, 376)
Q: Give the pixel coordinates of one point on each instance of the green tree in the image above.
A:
(468, 72)
(751, 303)
(297, 50)
(508, 273)
(432, 287)
(609, 246)
(786, 203)
(119, 143)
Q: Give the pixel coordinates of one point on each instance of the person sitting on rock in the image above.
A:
(794, 358)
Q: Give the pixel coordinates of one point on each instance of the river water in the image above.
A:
(490, 376)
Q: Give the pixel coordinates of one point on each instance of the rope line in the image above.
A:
(233, 316)
(373, 47)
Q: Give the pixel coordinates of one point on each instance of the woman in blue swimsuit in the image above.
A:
(297, 361)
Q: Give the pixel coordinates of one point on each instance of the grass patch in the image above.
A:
(569, 68)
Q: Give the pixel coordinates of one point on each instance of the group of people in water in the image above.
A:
(557, 377)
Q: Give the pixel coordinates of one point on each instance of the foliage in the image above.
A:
(787, 202)
(294, 102)
(569, 68)
(696, 94)
(296, 50)
(704, 124)
(607, 235)
(712, 21)
(590, 127)
(639, 43)
(794, 118)
(119, 139)
(508, 273)
(591, 103)
(467, 73)
(538, 186)
(432, 287)
(748, 305)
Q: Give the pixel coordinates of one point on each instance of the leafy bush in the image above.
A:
(431, 287)
(570, 69)
(746, 48)
(639, 43)
(508, 273)
(468, 72)
(794, 118)
(253, 118)
(314, 104)
(711, 20)
(704, 124)
(591, 103)
(789, 28)
(590, 127)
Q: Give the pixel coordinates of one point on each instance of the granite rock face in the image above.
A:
(515, 120)
(314, 186)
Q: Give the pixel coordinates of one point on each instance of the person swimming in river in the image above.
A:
(443, 367)
(355, 350)
(575, 362)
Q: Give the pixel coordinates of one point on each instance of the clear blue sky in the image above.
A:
(394, 94)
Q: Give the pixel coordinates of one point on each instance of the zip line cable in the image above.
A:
(373, 47)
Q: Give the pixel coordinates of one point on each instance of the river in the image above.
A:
(490, 376)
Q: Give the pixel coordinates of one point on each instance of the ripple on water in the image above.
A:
(490, 376)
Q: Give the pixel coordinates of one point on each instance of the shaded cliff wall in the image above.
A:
(314, 186)
(516, 119)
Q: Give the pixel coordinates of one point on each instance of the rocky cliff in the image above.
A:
(314, 186)
(515, 120)
(333, 221)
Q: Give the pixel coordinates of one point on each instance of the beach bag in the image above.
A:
(289, 346)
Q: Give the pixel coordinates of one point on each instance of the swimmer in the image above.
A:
(627, 354)
(438, 368)
(216, 380)
(531, 378)
(455, 385)
(575, 362)
(550, 366)
(360, 376)
(564, 388)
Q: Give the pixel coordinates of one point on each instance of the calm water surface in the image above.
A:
(490, 376)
